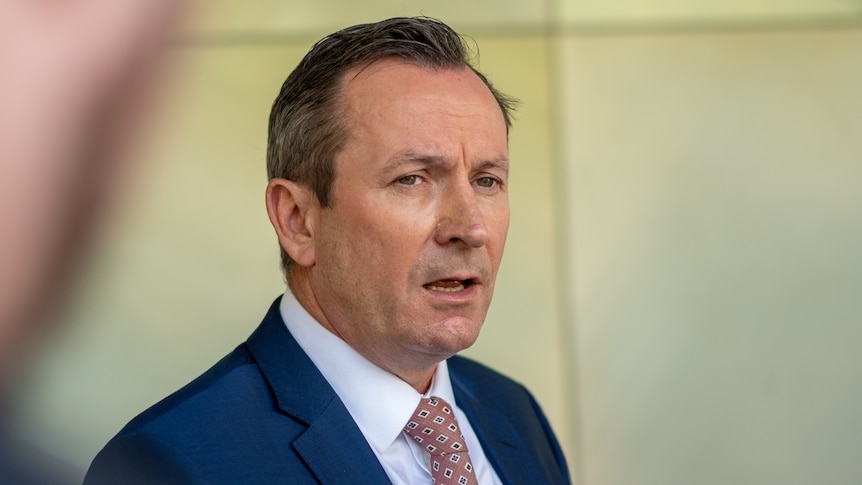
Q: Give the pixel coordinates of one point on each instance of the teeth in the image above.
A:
(446, 289)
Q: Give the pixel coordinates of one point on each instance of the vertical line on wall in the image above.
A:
(554, 34)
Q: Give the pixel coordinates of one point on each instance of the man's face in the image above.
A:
(407, 254)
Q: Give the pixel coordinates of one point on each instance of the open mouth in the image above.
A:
(449, 286)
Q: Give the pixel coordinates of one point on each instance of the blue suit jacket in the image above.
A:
(265, 414)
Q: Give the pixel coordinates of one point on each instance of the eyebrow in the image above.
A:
(501, 162)
(410, 156)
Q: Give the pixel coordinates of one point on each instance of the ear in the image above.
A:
(293, 211)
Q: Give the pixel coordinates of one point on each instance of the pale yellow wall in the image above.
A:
(669, 12)
(715, 216)
(680, 282)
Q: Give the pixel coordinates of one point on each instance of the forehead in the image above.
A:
(392, 81)
(400, 96)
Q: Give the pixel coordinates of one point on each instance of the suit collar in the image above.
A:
(332, 446)
(352, 375)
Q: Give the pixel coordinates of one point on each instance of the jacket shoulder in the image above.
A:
(215, 429)
(234, 382)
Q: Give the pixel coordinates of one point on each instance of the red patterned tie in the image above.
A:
(434, 426)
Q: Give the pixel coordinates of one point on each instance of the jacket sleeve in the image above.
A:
(139, 459)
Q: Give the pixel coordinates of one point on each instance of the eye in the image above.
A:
(409, 180)
(486, 182)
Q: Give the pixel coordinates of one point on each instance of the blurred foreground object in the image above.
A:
(75, 76)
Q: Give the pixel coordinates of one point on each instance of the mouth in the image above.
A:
(449, 286)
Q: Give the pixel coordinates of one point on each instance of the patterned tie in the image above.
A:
(433, 426)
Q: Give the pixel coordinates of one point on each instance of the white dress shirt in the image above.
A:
(379, 402)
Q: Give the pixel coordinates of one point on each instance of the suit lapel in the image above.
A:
(338, 457)
(501, 443)
(333, 447)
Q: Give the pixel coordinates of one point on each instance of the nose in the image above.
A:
(460, 219)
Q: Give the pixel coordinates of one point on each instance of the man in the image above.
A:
(388, 168)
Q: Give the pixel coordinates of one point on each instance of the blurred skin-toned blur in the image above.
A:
(76, 77)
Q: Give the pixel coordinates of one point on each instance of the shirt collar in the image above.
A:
(379, 402)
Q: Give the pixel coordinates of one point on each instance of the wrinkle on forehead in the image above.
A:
(352, 83)
(408, 113)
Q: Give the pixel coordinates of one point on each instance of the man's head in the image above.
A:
(393, 207)
(307, 128)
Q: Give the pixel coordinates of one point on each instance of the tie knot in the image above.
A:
(433, 425)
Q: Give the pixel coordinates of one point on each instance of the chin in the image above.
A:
(453, 335)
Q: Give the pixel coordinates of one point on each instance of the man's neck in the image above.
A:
(419, 376)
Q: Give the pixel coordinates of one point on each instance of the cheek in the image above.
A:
(398, 232)
(379, 245)
(499, 229)
(503, 223)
